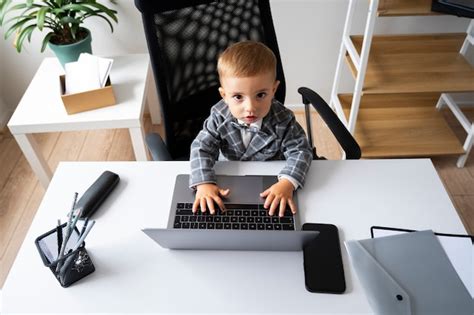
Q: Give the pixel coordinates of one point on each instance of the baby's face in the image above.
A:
(249, 99)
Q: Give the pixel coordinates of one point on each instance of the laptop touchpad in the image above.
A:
(243, 189)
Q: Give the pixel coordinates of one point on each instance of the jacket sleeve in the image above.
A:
(297, 151)
(204, 153)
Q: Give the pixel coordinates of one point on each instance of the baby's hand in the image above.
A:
(207, 194)
(279, 193)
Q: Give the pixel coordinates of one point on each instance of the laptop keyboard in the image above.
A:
(236, 217)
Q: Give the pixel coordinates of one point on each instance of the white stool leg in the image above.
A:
(137, 135)
(151, 98)
(441, 102)
(467, 148)
(32, 153)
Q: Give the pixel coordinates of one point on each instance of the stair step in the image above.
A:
(415, 63)
(405, 8)
(412, 44)
(402, 125)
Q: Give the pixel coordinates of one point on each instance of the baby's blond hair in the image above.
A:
(246, 59)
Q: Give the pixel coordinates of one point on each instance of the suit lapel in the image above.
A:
(232, 135)
(236, 134)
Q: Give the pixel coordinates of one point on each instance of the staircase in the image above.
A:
(393, 111)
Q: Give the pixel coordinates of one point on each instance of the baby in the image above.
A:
(248, 124)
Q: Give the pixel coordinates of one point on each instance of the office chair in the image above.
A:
(347, 142)
(185, 38)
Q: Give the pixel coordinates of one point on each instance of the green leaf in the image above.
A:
(15, 19)
(16, 7)
(3, 4)
(74, 30)
(3, 7)
(29, 37)
(17, 26)
(27, 11)
(109, 12)
(77, 8)
(33, 10)
(58, 12)
(6, 9)
(69, 19)
(41, 17)
(107, 20)
(51, 3)
(46, 40)
(23, 34)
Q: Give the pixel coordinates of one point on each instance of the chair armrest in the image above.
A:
(343, 136)
(157, 147)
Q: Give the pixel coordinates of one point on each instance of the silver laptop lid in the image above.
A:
(231, 239)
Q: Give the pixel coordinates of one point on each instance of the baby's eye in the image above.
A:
(261, 95)
(237, 97)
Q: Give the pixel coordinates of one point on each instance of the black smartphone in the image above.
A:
(323, 269)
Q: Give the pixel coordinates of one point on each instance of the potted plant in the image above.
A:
(63, 18)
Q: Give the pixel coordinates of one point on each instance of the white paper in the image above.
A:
(104, 64)
(89, 72)
(460, 251)
(82, 76)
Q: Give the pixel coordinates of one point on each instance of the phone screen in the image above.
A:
(323, 269)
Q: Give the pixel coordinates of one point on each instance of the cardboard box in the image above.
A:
(84, 101)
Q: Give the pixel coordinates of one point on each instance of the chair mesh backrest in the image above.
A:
(185, 39)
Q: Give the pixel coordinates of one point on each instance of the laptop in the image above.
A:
(244, 225)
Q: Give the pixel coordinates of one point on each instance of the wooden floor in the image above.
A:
(21, 193)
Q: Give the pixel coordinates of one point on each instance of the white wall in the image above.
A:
(309, 35)
(5, 111)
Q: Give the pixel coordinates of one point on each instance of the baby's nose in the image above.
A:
(250, 106)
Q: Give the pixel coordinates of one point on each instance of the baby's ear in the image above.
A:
(275, 86)
(222, 92)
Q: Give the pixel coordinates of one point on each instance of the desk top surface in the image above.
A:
(41, 108)
(134, 274)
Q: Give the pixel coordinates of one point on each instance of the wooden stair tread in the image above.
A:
(394, 100)
(411, 130)
(405, 8)
(415, 63)
(411, 43)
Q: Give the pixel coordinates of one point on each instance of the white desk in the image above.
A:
(41, 109)
(134, 274)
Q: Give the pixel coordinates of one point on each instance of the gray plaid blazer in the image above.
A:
(280, 138)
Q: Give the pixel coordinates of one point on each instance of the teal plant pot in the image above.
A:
(71, 52)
